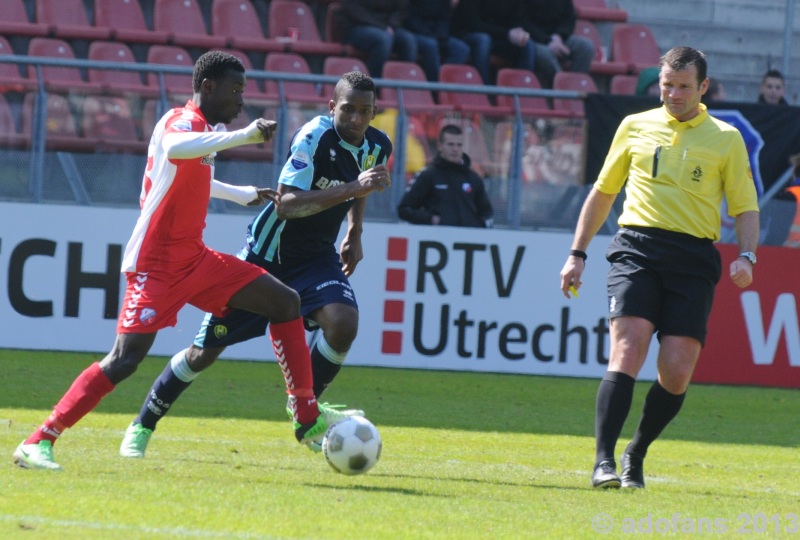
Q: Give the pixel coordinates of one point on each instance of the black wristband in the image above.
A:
(578, 253)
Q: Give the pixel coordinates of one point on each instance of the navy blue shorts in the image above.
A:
(318, 281)
(665, 277)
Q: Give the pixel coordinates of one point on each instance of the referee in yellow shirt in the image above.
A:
(678, 163)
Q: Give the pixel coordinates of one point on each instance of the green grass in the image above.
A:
(465, 455)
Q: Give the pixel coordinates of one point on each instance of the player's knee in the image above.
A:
(341, 335)
(199, 359)
(287, 308)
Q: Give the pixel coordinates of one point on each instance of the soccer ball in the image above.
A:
(352, 446)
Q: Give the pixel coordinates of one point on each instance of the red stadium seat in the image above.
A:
(580, 82)
(601, 64)
(293, 91)
(69, 20)
(61, 131)
(170, 55)
(59, 79)
(635, 45)
(10, 78)
(237, 21)
(471, 102)
(295, 14)
(597, 10)
(183, 21)
(110, 121)
(335, 66)
(126, 20)
(624, 85)
(9, 136)
(113, 80)
(15, 21)
(413, 99)
(523, 78)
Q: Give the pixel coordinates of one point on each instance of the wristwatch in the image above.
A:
(750, 256)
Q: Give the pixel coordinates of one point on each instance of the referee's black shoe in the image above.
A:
(632, 470)
(605, 475)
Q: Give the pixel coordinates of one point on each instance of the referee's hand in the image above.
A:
(741, 272)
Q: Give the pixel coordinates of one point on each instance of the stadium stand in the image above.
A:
(635, 45)
(15, 21)
(293, 91)
(602, 65)
(529, 106)
(127, 22)
(462, 101)
(11, 79)
(9, 135)
(285, 14)
(624, 85)
(597, 10)
(254, 90)
(110, 121)
(61, 131)
(337, 65)
(68, 20)
(580, 82)
(115, 81)
(333, 32)
(171, 55)
(183, 21)
(237, 21)
(413, 99)
(59, 79)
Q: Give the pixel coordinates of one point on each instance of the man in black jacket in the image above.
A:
(448, 192)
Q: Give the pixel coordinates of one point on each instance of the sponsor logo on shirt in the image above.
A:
(300, 161)
(182, 124)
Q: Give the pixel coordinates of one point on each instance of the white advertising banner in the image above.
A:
(429, 297)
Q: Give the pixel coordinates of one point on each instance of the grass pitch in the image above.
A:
(465, 455)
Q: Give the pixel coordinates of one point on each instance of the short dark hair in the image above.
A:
(679, 58)
(772, 74)
(214, 65)
(356, 80)
(449, 129)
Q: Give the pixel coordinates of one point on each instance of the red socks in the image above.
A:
(85, 393)
(291, 350)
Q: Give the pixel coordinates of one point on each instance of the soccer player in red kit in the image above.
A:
(167, 265)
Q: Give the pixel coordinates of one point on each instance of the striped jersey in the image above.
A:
(318, 159)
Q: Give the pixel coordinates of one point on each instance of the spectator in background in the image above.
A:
(551, 24)
(715, 92)
(376, 27)
(494, 27)
(448, 192)
(647, 84)
(772, 88)
(429, 22)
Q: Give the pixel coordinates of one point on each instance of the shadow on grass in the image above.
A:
(415, 398)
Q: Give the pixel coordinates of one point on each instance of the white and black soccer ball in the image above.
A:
(352, 446)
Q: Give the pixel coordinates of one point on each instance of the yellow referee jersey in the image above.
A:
(677, 172)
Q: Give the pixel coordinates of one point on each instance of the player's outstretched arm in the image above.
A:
(243, 195)
(194, 144)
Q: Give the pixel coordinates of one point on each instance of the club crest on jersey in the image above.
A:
(148, 316)
(207, 160)
(220, 331)
(369, 162)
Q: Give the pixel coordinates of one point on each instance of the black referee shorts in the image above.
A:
(665, 277)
